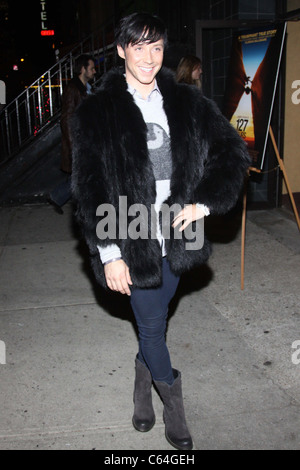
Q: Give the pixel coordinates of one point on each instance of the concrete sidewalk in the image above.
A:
(70, 348)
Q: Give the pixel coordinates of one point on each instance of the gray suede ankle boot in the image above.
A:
(177, 432)
(143, 418)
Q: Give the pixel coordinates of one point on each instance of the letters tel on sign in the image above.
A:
(43, 15)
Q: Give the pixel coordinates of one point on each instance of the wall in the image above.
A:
(292, 103)
(93, 13)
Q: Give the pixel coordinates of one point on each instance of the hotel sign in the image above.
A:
(44, 19)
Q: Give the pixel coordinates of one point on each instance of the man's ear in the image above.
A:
(121, 51)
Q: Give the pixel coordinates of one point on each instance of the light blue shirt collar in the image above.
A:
(135, 93)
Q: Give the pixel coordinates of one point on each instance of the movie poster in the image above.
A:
(252, 80)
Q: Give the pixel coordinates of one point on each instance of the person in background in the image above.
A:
(76, 90)
(189, 70)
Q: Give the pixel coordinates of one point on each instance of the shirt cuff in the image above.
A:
(204, 208)
(109, 252)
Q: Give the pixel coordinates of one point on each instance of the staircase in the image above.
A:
(39, 105)
(29, 126)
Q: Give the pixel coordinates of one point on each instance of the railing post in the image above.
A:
(40, 102)
(28, 112)
(18, 121)
(60, 80)
(7, 131)
(71, 65)
(50, 94)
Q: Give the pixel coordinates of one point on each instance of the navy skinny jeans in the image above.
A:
(61, 194)
(150, 307)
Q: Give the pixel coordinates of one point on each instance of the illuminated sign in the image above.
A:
(44, 29)
(47, 32)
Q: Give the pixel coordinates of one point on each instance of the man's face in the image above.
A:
(142, 63)
(89, 71)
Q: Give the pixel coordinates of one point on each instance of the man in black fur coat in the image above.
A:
(147, 146)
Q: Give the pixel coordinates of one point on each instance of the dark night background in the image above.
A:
(72, 21)
(20, 38)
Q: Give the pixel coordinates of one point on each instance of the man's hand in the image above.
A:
(118, 277)
(189, 214)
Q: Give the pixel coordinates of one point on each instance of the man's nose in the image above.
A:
(148, 56)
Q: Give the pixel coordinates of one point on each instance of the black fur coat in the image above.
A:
(110, 159)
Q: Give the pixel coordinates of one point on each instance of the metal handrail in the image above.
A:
(40, 104)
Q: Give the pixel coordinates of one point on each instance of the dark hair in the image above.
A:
(185, 69)
(82, 61)
(140, 27)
